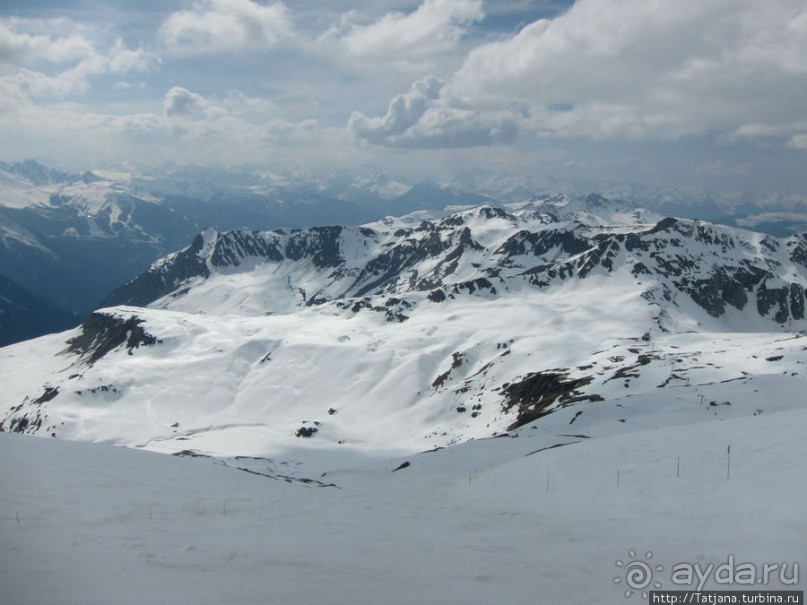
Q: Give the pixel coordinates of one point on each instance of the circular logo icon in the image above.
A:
(638, 574)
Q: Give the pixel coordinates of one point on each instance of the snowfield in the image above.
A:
(484, 522)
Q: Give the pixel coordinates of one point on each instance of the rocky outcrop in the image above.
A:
(104, 332)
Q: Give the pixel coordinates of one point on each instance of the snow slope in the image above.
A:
(492, 520)
(232, 386)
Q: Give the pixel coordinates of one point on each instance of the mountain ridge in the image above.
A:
(426, 331)
(444, 256)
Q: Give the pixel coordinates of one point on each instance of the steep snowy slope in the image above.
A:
(410, 334)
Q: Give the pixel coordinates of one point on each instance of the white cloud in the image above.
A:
(71, 60)
(182, 102)
(26, 83)
(636, 69)
(123, 60)
(26, 47)
(404, 111)
(436, 25)
(185, 127)
(422, 117)
(798, 141)
(226, 25)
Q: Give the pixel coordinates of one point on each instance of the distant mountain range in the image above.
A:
(70, 238)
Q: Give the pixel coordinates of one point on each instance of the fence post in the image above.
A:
(728, 461)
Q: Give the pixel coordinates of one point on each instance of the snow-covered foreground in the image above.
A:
(488, 521)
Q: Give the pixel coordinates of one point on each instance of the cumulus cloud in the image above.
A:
(423, 117)
(633, 69)
(184, 127)
(25, 47)
(25, 83)
(121, 60)
(182, 102)
(42, 64)
(404, 111)
(434, 26)
(226, 25)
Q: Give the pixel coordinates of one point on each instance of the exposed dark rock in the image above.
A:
(457, 359)
(161, 278)
(190, 454)
(103, 332)
(477, 285)
(542, 242)
(532, 395)
(50, 393)
(319, 243)
(665, 224)
(797, 301)
(437, 296)
(234, 246)
(799, 252)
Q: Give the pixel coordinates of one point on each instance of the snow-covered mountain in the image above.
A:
(420, 332)
(72, 237)
(732, 275)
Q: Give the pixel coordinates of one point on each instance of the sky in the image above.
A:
(663, 92)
